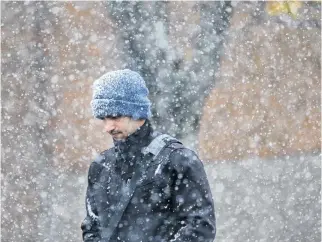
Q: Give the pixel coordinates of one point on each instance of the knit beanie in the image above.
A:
(121, 93)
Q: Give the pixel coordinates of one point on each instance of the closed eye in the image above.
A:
(112, 117)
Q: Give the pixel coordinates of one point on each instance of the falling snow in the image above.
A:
(239, 82)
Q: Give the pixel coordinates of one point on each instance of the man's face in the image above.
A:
(119, 127)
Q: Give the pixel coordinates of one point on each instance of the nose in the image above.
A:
(109, 125)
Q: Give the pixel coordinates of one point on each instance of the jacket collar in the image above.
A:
(136, 141)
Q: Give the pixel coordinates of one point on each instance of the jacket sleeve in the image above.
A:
(192, 200)
(90, 225)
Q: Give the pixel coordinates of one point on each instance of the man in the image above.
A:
(148, 187)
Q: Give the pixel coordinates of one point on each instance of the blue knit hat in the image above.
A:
(121, 93)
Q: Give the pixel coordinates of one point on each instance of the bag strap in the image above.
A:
(151, 152)
(157, 144)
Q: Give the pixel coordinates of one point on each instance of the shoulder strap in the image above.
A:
(158, 143)
(151, 152)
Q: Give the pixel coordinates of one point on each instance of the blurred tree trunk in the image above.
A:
(178, 82)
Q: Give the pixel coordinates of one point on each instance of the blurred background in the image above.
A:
(239, 82)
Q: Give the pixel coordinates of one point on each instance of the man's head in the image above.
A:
(120, 98)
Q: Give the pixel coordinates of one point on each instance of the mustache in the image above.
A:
(113, 132)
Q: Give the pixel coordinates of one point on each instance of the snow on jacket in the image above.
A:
(173, 203)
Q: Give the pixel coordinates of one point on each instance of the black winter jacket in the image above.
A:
(173, 202)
